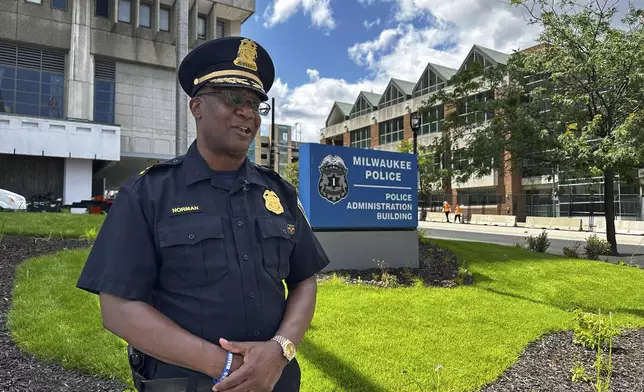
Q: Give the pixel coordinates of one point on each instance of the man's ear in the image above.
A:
(195, 107)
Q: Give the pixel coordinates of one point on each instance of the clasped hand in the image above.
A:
(262, 367)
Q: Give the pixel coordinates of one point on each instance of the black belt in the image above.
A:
(182, 384)
(193, 383)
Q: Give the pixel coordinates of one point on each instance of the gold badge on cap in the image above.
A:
(246, 55)
(272, 202)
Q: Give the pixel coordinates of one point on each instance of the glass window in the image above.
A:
(220, 28)
(361, 138)
(60, 4)
(125, 11)
(31, 92)
(164, 19)
(104, 101)
(201, 27)
(104, 91)
(251, 151)
(392, 130)
(144, 15)
(103, 8)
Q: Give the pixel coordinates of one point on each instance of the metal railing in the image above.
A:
(626, 206)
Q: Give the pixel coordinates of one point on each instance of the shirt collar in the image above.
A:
(198, 170)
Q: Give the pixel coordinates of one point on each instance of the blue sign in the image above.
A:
(355, 188)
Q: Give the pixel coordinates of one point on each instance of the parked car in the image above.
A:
(11, 201)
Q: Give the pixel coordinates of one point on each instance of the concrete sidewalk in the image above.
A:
(580, 236)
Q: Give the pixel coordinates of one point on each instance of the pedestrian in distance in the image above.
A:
(191, 261)
(458, 213)
(446, 210)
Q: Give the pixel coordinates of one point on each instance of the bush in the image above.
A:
(464, 276)
(592, 330)
(595, 247)
(573, 252)
(538, 244)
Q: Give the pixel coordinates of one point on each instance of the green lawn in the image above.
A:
(363, 338)
(50, 224)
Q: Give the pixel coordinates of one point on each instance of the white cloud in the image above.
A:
(368, 25)
(364, 53)
(442, 32)
(281, 10)
(309, 104)
(314, 74)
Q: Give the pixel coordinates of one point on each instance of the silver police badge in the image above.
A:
(333, 184)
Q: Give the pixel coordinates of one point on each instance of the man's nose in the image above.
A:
(246, 110)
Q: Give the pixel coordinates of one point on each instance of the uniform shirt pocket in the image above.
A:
(277, 244)
(194, 253)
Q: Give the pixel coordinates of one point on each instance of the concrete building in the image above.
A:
(382, 120)
(286, 148)
(87, 88)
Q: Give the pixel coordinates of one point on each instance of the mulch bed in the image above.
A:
(546, 364)
(20, 371)
(438, 267)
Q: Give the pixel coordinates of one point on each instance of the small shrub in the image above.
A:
(592, 330)
(538, 244)
(595, 247)
(573, 252)
(385, 278)
(464, 276)
(90, 234)
(579, 373)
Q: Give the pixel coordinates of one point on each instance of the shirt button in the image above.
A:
(255, 333)
(240, 223)
(191, 236)
(245, 257)
(283, 231)
(251, 294)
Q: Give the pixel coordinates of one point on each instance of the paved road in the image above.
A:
(478, 234)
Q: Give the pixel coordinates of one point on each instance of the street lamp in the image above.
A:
(414, 121)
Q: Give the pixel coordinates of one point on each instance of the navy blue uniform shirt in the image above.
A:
(209, 250)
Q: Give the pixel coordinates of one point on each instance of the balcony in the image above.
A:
(488, 181)
(334, 130)
(59, 138)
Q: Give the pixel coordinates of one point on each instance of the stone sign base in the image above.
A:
(364, 249)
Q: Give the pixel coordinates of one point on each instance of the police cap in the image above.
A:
(227, 62)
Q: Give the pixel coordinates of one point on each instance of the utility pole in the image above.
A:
(181, 117)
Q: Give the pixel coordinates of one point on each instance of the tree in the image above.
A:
(292, 174)
(430, 176)
(573, 103)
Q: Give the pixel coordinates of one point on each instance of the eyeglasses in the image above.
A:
(238, 100)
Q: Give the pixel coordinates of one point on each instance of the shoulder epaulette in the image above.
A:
(170, 162)
(275, 174)
(266, 170)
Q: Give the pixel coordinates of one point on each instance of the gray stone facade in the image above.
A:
(144, 58)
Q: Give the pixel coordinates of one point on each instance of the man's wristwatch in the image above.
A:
(288, 348)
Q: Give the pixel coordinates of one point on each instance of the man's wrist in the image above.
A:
(217, 357)
(287, 348)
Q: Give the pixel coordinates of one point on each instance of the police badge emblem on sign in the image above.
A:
(333, 184)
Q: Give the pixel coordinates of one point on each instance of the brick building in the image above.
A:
(382, 121)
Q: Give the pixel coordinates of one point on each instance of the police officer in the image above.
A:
(191, 261)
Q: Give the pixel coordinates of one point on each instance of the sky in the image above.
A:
(330, 50)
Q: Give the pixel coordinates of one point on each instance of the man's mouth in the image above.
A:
(243, 129)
